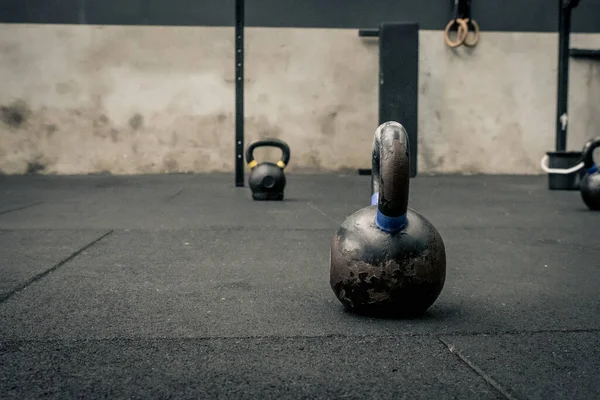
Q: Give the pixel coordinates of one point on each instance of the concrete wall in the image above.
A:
(147, 99)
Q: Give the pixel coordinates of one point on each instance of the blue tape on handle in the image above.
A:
(390, 224)
(375, 199)
(593, 169)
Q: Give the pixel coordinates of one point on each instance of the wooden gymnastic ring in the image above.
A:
(463, 31)
(476, 34)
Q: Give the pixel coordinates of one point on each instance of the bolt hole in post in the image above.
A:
(466, 28)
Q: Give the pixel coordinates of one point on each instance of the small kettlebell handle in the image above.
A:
(268, 142)
(390, 179)
(588, 153)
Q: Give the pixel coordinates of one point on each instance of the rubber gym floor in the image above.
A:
(182, 286)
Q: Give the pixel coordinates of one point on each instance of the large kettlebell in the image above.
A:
(590, 184)
(267, 180)
(387, 259)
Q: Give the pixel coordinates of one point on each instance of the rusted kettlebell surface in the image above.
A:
(387, 259)
(267, 180)
(590, 184)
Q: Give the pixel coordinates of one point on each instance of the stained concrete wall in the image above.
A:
(147, 99)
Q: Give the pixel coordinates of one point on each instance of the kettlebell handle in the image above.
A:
(390, 179)
(269, 142)
(588, 154)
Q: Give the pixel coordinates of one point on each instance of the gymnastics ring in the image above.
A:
(475, 40)
(463, 32)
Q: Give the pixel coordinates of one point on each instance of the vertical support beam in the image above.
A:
(399, 80)
(564, 33)
(239, 93)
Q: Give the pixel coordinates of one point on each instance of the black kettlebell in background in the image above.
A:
(590, 184)
(387, 259)
(267, 180)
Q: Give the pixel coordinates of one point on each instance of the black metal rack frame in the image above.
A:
(565, 8)
(239, 93)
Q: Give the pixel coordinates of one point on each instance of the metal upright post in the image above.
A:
(564, 33)
(239, 93)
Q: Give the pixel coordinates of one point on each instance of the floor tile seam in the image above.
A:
(432, 335)
(495, 385)
(21, 208)
(5, 296)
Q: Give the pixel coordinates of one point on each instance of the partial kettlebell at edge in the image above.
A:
(590, 184)
(267, 180)
(387, 259)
